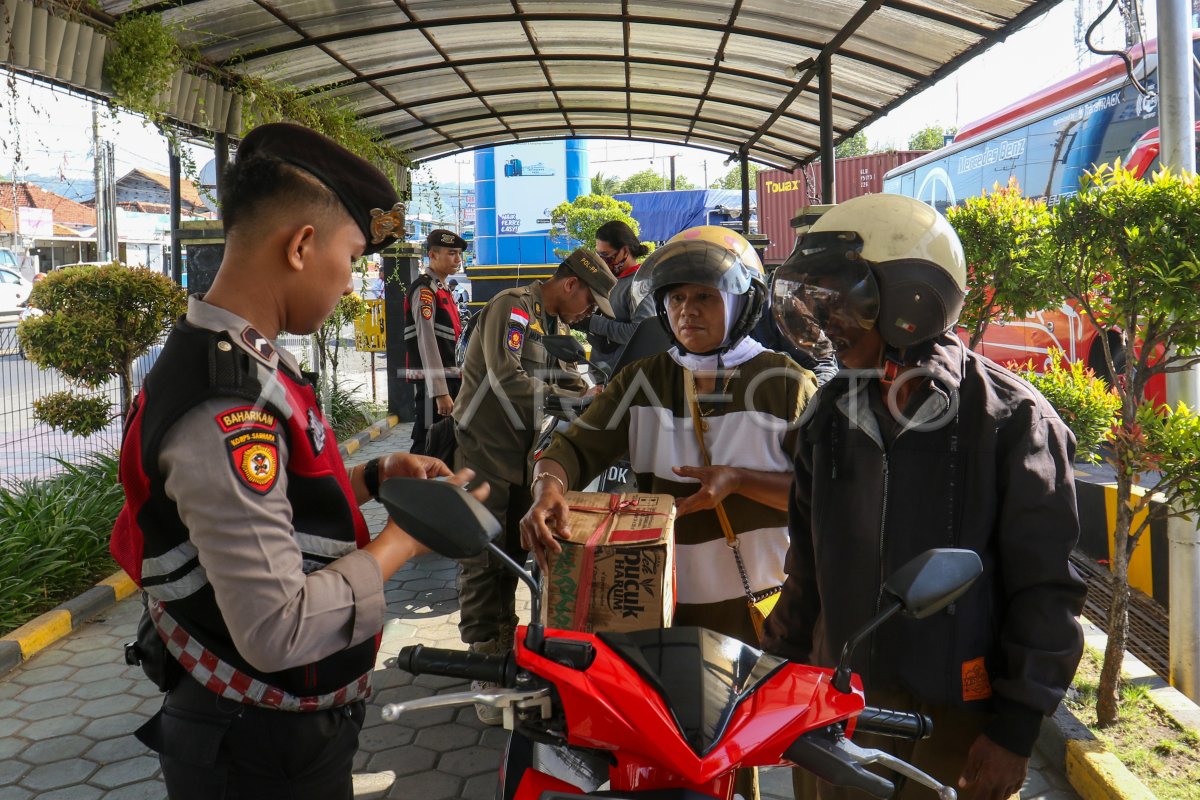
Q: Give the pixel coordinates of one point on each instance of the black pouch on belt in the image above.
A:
(150, 653)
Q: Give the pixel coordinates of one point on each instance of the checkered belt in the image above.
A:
(226, 680)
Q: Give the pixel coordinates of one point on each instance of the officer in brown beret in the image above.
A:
(432, 326)
(506, 375)
(263, 588)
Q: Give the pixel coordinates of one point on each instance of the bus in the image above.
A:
(1046, 142)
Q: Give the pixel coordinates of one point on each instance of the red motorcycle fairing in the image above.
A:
(618, 704)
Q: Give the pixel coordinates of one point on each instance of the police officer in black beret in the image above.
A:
(263, 588)
(432, 326)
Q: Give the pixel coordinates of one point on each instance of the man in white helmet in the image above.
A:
(921, 443)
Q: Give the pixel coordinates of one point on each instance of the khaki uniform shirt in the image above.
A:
(507, 375)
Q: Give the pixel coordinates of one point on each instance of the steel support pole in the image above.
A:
(744, 160)
(220, 161)
(1177, 133)
(828, 185)
(176, 217)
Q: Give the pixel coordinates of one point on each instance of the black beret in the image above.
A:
(444, 238)
(367, 194)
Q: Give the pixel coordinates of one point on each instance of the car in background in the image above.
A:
(14, 290)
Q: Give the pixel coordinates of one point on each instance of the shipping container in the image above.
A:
(781, 195)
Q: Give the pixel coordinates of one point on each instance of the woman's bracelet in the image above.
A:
(552, 477)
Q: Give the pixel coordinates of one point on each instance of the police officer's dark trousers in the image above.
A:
(486, 589)
(213, 748)
(427, 414)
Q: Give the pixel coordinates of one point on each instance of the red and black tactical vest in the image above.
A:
(152, 545)
(446, 325)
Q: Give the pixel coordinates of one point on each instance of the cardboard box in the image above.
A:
(617, 571)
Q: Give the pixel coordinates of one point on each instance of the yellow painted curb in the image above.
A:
(1097, 774)
(42, 631)
(122, 585)
(352, 446)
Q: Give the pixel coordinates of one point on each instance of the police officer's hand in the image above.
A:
(716, 483)
(445, 405)
(992, 772)
(407, 465)
(393, 547)
(545, 522)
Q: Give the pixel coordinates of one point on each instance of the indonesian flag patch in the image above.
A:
(254, 456)
(520, 317)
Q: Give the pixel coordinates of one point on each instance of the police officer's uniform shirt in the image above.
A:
(279, 616)
(506, 376)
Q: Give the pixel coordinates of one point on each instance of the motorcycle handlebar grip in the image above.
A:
(421, 660)
(900, 724)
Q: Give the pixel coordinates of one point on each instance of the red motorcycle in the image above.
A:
(664, 714)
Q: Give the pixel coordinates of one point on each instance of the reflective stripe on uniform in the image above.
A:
(190, 583)
(323, 547)
(169, 561)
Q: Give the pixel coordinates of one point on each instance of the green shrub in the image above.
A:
(1085, 402)
(347, 414)
(55, 536)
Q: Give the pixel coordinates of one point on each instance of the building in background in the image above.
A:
(783, 196)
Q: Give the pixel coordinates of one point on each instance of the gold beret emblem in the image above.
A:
(387, 224)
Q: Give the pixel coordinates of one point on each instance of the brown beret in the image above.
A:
(367, 194)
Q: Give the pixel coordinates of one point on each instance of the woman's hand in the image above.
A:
(716, 483)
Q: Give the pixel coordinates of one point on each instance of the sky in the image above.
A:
(51, 130)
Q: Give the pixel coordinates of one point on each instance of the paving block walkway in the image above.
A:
(67, 715)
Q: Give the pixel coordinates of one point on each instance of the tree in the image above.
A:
(576, 222)
(855, 145)
(605, 184)
(733, 178)
(930, 137)
(1000, 234)
(95, 323)
(1125, 251)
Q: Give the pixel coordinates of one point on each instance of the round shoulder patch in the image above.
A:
(515, 338)
(254, 457)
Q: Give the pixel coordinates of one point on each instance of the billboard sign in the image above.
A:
(531, 179)
(37, 222)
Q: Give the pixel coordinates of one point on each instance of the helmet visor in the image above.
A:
(824, 296)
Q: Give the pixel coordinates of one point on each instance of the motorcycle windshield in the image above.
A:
(701, 675)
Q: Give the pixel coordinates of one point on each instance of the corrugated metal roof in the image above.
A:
(439, 76)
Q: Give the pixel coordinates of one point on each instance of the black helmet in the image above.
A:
(879, 260)
(707, 255)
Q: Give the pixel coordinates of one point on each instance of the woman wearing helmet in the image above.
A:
(708, 289)
(921, 443)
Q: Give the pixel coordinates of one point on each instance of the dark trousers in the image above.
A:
(211, 748)
(426, 413)
(486, 589)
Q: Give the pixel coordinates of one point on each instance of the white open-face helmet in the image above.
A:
(880, 260)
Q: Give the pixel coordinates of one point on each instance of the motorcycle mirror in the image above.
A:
(564, 347)
(919, 589)
(460, 527)
(933, 580)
